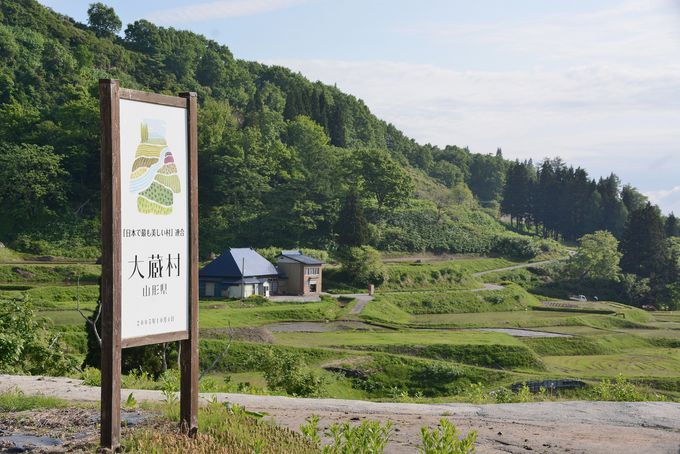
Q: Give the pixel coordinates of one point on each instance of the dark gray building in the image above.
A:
(238, 273)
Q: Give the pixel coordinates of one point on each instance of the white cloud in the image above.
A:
(600, 89)
(217, 10)
(605, 118)
(636, 31)
(667, 198)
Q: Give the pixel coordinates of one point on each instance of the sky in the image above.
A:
(596, 82)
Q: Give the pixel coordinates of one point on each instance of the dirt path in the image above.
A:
(548, 427)
(362, 300)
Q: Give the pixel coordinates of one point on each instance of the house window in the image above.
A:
(312, 271)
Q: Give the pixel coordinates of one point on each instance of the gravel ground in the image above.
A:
(547, 427)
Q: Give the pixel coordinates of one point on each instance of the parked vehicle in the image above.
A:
(581, 298)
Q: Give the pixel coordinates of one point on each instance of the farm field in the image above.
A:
(642, 362)
(427, 336)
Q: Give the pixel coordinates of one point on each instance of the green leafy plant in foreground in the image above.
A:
(225, 429)
(130, 402)
(445, 439)
(170, 385)
(369, 437)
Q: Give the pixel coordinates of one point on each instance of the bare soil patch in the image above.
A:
(59, 430)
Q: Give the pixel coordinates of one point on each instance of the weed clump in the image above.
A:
(445, 439)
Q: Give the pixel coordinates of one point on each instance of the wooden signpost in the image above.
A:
(149, 181)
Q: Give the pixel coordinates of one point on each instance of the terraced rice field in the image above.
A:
(655, 362)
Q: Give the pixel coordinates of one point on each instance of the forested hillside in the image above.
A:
(279, 155)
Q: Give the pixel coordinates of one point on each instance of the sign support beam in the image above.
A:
(189, 347)
(109, 94)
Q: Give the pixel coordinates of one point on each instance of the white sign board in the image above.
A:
(154, 205)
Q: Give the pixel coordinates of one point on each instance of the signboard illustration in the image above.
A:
(154, 174)
(154, 219)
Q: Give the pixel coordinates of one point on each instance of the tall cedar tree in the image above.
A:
(517, 193)
(642, 244)
(613, 211)
(352, 226)
(666, 285)
(672, 228)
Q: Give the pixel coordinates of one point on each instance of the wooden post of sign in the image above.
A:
(111, 274)
(189, 347)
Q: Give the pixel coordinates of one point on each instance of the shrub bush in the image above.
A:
(619, 390)
(516, 246)
(27, 346)
(445, 439)
(287, 372)
(362, 265)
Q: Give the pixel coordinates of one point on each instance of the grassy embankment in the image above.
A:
(403, 360)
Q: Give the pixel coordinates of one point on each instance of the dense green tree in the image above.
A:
(382, 177)
(598, 257)
(352, 226)
(613, 212)
(31, 187)
(460, 157)
(103, 20)
(642, 243)
(666, 284)
(145, 37)
(487, 177)
(362, 265)
(632, 198)
(518, 192)
(671, 226)
(565, 201)
(446, 173)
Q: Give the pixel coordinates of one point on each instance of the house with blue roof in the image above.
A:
(242, 272)
(238, 273)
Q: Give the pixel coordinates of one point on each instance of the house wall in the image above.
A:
(310, 277)
(234, 291)
(208, 289)
(299, 278)
(294, 285)
(221, 290)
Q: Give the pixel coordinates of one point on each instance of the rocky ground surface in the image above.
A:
(547, 427)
